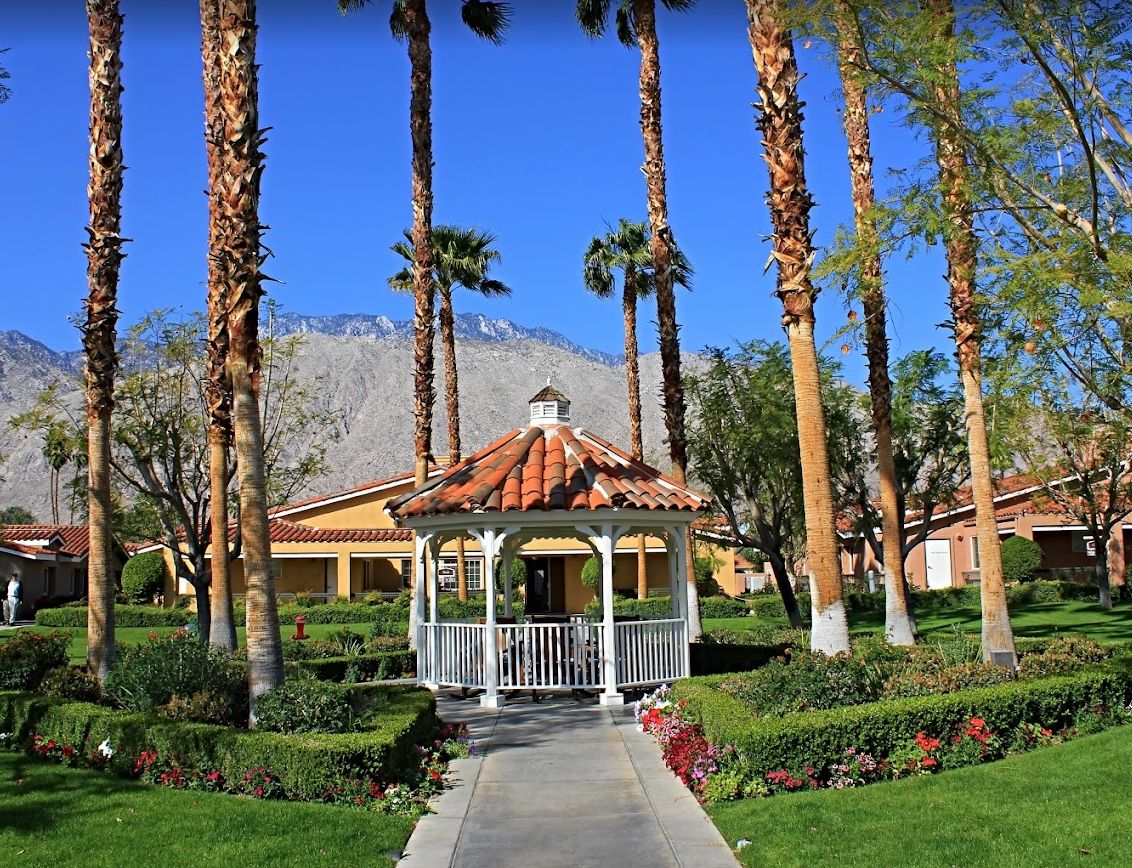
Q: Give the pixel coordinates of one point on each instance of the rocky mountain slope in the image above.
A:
(364, 366)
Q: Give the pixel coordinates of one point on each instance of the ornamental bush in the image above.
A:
(70, 682)
(803, 681)
(1021, 558)
(27, 657)
(518, 575)
(591, 572)
(305, 705)
(143, 576)
(378, 666)
(149, 676)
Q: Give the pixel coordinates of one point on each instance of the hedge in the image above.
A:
(661, 607)
(306, 765)
(821, 738)
(124, 616)
(156, 616)
(367, 667)
(711, 659)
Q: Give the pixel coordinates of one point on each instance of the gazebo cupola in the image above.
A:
(549, 407)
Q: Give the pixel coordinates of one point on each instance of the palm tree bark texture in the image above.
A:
(780, 121)
(104, 259)
(240, 255)
(218, 391)
(644, 22)
(898, 627)
(961, 246)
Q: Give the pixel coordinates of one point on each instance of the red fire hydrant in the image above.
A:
(300, 621)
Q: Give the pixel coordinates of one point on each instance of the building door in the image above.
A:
(938, 556)
(538, 585)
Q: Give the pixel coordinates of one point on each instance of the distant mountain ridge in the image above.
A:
(469, 326)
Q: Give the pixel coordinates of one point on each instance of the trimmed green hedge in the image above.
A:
(821, 738)
(661, 607)
(124, 616)
(305, 765)
(711, 659)
(340, 613)
(367, 667)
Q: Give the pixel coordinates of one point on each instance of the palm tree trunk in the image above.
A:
(644, 19)
(242, 165)
(961, 248)
(452, 404)
(633, 383)
(781, 124)
(218, 391)
(104, 258)
(897, 621)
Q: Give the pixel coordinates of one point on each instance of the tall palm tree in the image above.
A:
(627, 249)
(780, 120)
(635, 24)
(104, 258)
(409, 21)
(460, 257)
(898, 627)
(961, 247)
(218, 392)
(239, 258)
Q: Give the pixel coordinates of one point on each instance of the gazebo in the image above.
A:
(549, 481)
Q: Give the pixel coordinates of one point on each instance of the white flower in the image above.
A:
(4, 736)
(741, 843)
(105, 749)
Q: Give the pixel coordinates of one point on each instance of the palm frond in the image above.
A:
(397, 24)
(491, 288)
(348, 6)
(592, 16)
(402, 281)
(597, 273)
(487, 20)
(678, 5)
(626, 26)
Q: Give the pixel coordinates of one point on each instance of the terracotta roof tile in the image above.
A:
(283, 531)
(76, 537)
(552, 468)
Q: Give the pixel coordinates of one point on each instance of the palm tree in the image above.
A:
(57, 449)
(961, 248)
(780, 121)
(104, 258)
(635, 23)
(239, 257)
(898, 627)
(626, 249)
(460, 257)
(409, 21)
(218, 391)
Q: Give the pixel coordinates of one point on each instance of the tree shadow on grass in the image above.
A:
(36, 795)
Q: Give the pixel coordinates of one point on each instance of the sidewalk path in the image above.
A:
(562, 783)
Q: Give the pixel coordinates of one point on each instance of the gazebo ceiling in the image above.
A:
(544, 469)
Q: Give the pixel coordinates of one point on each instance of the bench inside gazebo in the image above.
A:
(546, 481)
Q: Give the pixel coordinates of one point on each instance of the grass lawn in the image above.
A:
(1056, 806)
(1028, 619)
(50, 815)
(136, 635)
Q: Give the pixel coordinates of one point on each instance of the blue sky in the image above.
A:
(537, 141)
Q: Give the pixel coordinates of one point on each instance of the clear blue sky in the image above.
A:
(537, 141)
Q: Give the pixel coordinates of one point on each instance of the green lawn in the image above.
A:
(135, 635)
(50, 815)
(1028, 619)
(1057, 806)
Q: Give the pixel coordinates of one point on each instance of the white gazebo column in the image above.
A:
(604, 544)
(417, 607)
(491, 697)
(677, 536)
(673, 577)
(433, 585)
(508, 559)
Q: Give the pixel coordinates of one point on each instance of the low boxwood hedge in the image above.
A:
(124, 616)
(661, 607)
(305, 765)
(365, 667)
(821, 738)
(156, 616)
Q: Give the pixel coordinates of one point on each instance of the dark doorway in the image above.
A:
(538, 585)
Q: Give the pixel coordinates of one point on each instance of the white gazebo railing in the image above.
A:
(649, 652)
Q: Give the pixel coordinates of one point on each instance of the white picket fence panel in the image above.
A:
(650, 652)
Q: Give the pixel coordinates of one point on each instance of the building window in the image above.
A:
(49, 581)
(406, 572)
(975, 564)
(449, 579)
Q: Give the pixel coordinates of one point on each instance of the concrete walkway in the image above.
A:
(562, 783)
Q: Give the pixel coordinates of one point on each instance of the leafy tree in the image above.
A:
(1021, 557)
(626, 249)
(744, 447)
(16, 515)
(143, 576)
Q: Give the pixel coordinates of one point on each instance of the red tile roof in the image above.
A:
(556, 468)
(357, 489)
(283, 531)
(76, 537)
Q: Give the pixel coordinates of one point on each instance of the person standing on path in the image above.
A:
(15, 595)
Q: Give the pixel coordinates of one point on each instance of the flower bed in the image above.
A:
(709, 738)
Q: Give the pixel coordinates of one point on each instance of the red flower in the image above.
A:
(68, 750)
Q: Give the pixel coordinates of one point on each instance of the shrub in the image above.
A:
(390, 629)
(518, 575)
(451, 606)
(69, 682)
(770, 606)
(143, 576)
(805, 682)
(723, 607)
(148, 676)
(27, 657)
(342, 613)
(305, 705)
(204, 706)
(124, 616)
(821, 738)
(946, 680)
(1021, 558)
(591, 572)
(378, 666)
(706, 585)
(306, 766)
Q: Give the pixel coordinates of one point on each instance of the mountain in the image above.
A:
(364, 364)
(469, 327)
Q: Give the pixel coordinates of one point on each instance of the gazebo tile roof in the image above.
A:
(540, 469)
